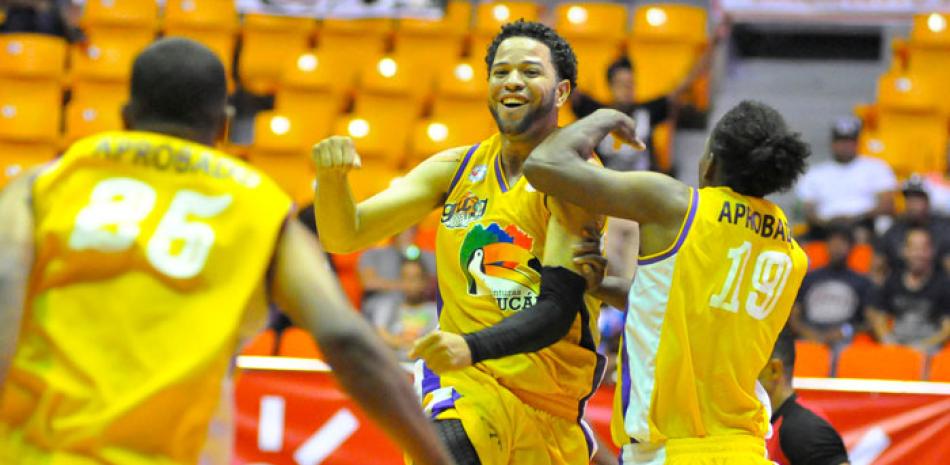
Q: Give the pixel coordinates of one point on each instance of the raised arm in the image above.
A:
(16, 260)
(308, 292)
(345, 226)
(558, 167)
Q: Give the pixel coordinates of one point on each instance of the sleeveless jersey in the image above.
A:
(488, 250)
(703, 318)
(150, 257)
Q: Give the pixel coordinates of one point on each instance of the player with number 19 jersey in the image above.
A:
(703, 317)
(168, 241)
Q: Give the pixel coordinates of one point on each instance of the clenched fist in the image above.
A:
(335, 154)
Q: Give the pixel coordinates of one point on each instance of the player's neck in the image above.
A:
(515, 150)
(175, 130)
(780, 395)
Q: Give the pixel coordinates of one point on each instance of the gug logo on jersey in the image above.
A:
(466, 211)
(498, 262)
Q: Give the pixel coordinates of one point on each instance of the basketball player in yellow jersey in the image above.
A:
(716, 279)
(496, 231)
(132, 268)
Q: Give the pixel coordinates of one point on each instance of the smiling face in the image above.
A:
(524, 89)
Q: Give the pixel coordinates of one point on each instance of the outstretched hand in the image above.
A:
(442, 352)
(583, 136)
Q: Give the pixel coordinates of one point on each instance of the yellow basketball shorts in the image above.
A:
(730, 450)
(501, 427)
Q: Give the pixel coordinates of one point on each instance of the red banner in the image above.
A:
(302, 418)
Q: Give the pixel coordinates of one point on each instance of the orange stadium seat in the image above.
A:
(214, 23)
(264, 344)
(665, 42)
(431, 136)
(377, 142)
(812, 360)
(32, 56)
(911, 125)
(116, 31)
(269, 45)
(295, 342)
(872, 361)
(927, 52)
(281, 150)
(30, 112)
(88, 117)
(108, 55)
(121, 14)
(348, 46)
(490, 16)
(442, 41)
(565, 115)
(940, 366)
(596, 32)
(307, 96)
(461, 96)
(15, 158)
(370, 180)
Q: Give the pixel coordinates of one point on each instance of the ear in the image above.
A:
(711, 167)
(128, 120)
(562, 92)
(776, 369)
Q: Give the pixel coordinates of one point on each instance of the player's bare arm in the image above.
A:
(656, 201)
(305, 288)
(16, 259)
(536, 327)
(346, 226)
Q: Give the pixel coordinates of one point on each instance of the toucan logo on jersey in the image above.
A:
(498, 262)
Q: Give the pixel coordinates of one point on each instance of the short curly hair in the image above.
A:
(757, 152)
(565, 61)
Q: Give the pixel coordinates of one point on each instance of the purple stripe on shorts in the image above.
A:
(446, 404)
(430, 380)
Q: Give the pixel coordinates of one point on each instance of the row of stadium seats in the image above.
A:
(908, 124)
(866, 359)
(386, 73)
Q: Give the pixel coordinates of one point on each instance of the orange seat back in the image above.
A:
(812, 360)
(32, 56)
(295, 342)
(218, 15)
(591, 20)
(122, 14)
(30, 111)
(270, 44)
(940, 366)
(346, 271)
(872, 361)
(264, 344)
(88, 117)
(16, 158)
(490, 16)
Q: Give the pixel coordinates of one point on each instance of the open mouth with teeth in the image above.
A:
(513, 102)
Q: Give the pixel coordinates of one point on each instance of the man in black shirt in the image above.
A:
(799, 436)
(917, 298)
(832, 300)
(917, 213)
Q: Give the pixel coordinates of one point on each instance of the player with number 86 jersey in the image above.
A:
(138, 217)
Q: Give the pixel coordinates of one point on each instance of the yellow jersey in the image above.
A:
(702, 320)
(151, 252)
(488, 249)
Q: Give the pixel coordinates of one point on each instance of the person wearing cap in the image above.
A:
(917, 213)
(849, 188)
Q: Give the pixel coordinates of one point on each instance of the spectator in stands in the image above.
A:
(851, 188)
(917, 298)
(53, 17)
(415, 316)
(917, 213)
(379, 271)
(832, 300)
(647, 114)
(801, 435)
